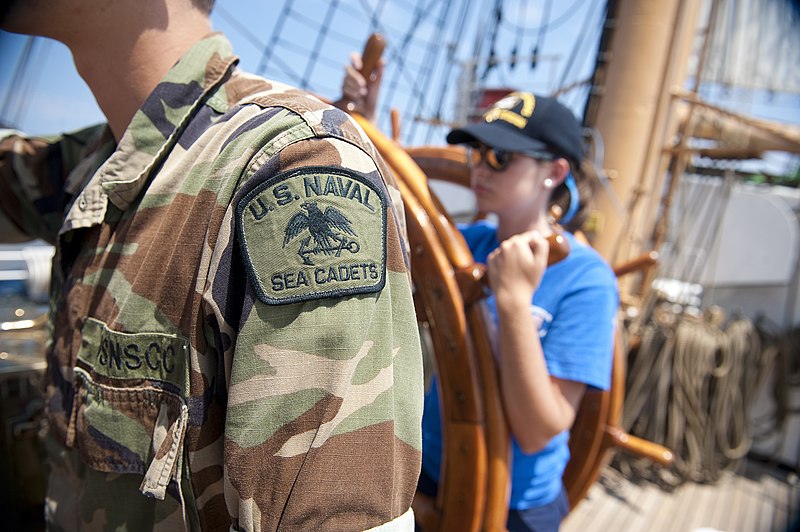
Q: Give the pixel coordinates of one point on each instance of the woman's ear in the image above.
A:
(559, 169)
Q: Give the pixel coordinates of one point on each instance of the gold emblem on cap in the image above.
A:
(502, 109)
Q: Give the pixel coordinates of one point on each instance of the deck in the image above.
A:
(758, 498)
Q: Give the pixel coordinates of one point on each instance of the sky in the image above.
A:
(56, 99)
(422, 37)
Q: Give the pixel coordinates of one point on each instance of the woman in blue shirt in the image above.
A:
(555, 325)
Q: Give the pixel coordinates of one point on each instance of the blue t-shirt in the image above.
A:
(574, 308)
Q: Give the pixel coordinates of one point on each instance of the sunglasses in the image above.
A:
(497, 159)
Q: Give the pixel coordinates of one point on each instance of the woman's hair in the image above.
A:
(561, 197)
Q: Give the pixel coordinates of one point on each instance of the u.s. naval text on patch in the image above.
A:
(313, 233)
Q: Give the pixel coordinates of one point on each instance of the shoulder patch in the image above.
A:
(313, 233)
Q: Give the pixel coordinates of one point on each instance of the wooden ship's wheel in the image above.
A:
(449, 289)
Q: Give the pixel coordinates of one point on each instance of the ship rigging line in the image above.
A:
(447, 74)
(257, 42)
(276, 31)
(578, 44)
(321, 35)
(428, 63)
(520, 33)
(713, 229)
(491, 61)
(548, 27)
(400, 51)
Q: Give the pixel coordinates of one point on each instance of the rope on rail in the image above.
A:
(690, 386)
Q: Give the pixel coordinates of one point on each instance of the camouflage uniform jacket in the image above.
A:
(233, 336)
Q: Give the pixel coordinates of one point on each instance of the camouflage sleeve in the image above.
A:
(33, 174)
(323, 365)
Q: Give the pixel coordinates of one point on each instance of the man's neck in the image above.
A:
(123, 63)
(121, 80)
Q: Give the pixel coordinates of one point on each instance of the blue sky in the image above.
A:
(56, 99)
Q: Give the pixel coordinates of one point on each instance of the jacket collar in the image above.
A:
(156, 126)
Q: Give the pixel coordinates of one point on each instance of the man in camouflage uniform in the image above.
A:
(233, 336)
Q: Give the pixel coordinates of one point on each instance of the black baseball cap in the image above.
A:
(525, 122)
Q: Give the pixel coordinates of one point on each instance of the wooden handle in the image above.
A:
(559, 248)
(373, 50)
(395, 116)
(474, 283)
(646, 449)
(639, 263)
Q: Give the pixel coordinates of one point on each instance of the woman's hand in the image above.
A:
(516, 267)
(362, 93)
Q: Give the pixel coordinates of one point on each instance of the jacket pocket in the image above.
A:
(130, 410)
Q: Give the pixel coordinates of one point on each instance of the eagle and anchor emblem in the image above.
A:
(329, 231)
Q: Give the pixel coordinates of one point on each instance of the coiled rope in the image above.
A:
(690, 385)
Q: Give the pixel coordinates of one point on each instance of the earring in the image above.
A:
(548, 183)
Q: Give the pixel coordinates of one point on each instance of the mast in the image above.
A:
(648, 50)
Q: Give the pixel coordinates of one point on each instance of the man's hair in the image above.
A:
(204, 5)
